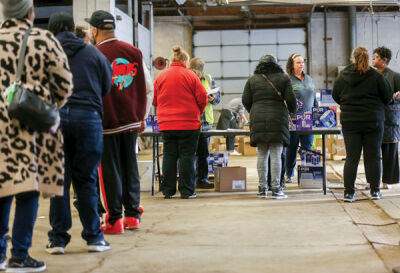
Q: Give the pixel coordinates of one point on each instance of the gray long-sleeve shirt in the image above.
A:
(304, 91)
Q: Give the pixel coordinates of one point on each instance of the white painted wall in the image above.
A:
(169, 32)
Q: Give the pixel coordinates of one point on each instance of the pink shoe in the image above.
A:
(117, 228)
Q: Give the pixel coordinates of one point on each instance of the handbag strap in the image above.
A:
(276, 90)
(21, 59)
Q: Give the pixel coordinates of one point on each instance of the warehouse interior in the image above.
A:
(235, 231)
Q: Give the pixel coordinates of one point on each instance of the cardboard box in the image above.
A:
(230, 179)
(326, 97)
(216, 160)
(324, 117)
(310, 177)
(245, 148)
(304, 121)
(309, 158)
(340, 147)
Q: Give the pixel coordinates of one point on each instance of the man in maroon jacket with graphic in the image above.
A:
(124, 110)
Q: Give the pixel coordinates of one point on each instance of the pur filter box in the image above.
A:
(304, 121)
(324, 117)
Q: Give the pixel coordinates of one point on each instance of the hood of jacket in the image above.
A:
(70, 43)
(353, 77)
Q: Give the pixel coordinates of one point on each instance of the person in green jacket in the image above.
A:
(207, 120)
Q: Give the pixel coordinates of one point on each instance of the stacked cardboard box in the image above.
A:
(244, 146)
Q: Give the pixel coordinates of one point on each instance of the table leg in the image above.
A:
(323, 164)
(153, 175)
(158, 163)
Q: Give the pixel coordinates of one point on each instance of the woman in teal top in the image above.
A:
(304, 90)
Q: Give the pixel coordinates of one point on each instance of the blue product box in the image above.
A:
(310, 177)
(324, 117)
(217, 159)
(155, 124)
(326, 97)
(149, 123)
(304, 121)
(309, 159)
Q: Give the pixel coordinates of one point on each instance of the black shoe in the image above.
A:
(278, 194)
(53, 248)
(204, 185)
(99, 246)
(349, 197)
(376, 195)
(189, 196)
(27, 264)
(169, 196)
(76, 204)
(262, 192)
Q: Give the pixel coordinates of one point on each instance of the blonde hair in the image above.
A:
(179, 55)
(197, 66)
(361, 59)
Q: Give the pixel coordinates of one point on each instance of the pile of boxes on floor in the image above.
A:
(226, 178)
(242, 145)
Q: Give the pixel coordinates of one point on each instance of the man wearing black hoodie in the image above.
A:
(362, 93)
(81, 125)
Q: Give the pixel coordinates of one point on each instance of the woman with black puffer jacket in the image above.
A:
(264, 97)
(362, 93)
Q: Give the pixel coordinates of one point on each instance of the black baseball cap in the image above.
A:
(100, 18)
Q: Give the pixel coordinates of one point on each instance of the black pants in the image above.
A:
(366, 137)
(228, 120)
(121, 176)
(202, 159)
(179, 145)
(390, 163)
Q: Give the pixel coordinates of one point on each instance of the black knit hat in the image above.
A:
(63, 19)
(101, 18)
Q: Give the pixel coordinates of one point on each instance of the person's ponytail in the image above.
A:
(361, 59)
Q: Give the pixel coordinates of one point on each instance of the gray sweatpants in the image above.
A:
(264, 151)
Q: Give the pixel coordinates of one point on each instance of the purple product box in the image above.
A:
(324, 117)
(304, 121)
(155, 124)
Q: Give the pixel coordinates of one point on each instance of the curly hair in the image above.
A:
(383, 52)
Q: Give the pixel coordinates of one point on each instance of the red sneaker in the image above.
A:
(141, 210)
(131, 223)
(117, 228)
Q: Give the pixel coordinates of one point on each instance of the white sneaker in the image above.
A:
(3, 264)
(234, 152)
(52, 248)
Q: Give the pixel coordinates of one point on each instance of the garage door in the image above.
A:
(230, 56)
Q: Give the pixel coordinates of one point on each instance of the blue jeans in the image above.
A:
(83, 146)
(180, 145)
(24, 221)
(291, 152)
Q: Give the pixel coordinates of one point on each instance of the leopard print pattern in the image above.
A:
(31, 160)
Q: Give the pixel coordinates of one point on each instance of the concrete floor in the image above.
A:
(225, 232)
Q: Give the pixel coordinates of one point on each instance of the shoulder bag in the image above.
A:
(26, 106)
(291, 125)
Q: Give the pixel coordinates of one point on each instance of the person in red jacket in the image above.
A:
(124, 111)
(180, 99)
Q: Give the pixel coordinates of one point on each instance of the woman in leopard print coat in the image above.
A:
(31, 160)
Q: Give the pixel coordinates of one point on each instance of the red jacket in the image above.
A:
(180, 99)
(125, 106)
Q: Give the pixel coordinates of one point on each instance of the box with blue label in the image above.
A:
(324, 117)
(304, 121)
(326, 97)
(149, 123)
(310, 177)
(155, 124)
(216, 160)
